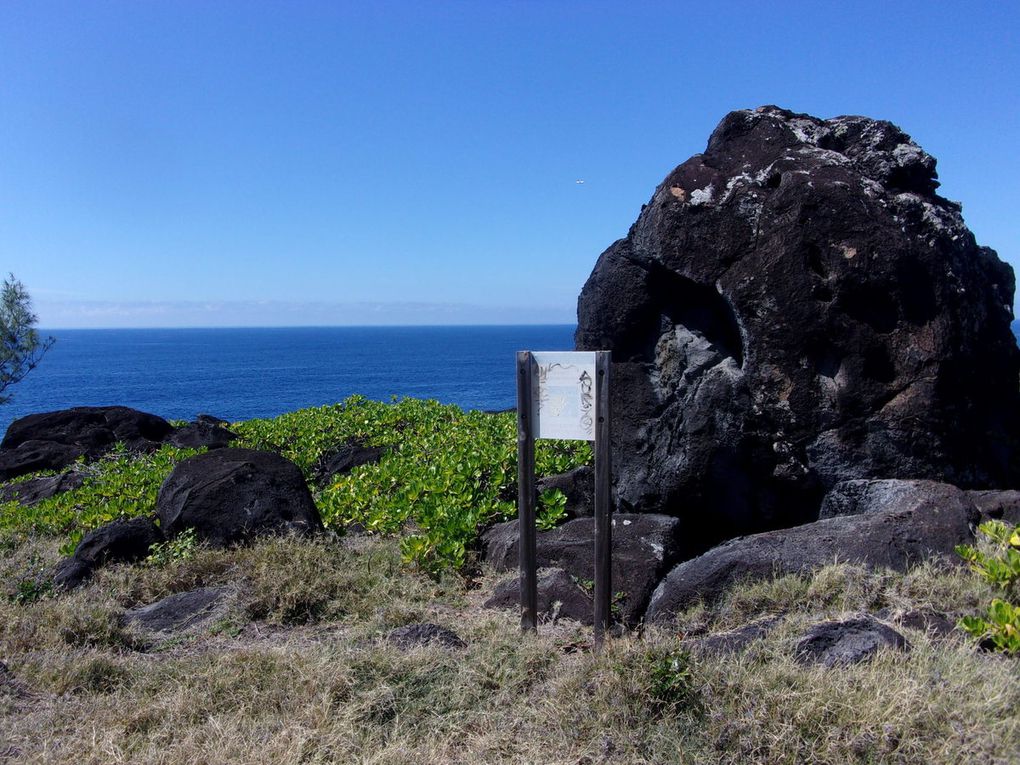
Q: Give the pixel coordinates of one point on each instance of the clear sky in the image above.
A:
(229, 163)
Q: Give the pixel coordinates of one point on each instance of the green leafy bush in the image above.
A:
(552, 509)
(446, 474)
(997, 561)
(180, 548)
(121, 485)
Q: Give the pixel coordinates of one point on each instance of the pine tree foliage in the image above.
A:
(21, 349)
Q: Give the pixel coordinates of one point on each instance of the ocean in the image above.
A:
(239, 374)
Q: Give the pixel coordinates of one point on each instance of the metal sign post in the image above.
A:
(563, 395)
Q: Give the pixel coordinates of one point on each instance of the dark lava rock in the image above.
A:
(346, 458)
(414, 635)
(208, 419)
(733, 641)
(36, 490)
(31, 456)
(843, 643)
(179, 612)
(229, 495)
(578, 485)
(54, 440)
(794, 308)
(894, 539)
(930, 622)
(201, 433)
(644, 547)
(121, 541)
(862, 496)
(998, 505)
(559, 596)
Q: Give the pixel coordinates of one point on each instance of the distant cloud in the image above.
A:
(73, 314)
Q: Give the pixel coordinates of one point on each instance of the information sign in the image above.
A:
(564, 391)
(563, 394)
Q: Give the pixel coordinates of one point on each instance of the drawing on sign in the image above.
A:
(565, 384)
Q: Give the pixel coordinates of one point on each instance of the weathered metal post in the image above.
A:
(526, 493)
(603, 518)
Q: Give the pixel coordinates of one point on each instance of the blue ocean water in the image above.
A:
(238, 374)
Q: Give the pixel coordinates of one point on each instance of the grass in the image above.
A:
(299, 671)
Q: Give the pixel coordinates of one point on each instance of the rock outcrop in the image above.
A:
(559, 596)
(644, 547)
(793, 308)
(232, 495)
(125, 540)
(53, 440)
(898, 537)
(35, 490)
(839, 644)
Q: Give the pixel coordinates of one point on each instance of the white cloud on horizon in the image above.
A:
(93, 314)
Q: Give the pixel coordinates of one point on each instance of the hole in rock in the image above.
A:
(813, 256)
(699, 308)
(878, 366)
(870, 304)
(774, 180)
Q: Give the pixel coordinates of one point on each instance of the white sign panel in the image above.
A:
(564, 395)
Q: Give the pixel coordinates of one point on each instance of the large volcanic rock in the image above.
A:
(231, 495)
(53, 440)
(797, 307)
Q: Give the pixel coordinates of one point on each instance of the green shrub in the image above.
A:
(121, 485)
(446, 474)
(180, 548)
(997, 561)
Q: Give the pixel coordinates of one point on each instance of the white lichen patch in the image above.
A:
(702, 196)
(744, 179)
(848, 252)
(807, 131)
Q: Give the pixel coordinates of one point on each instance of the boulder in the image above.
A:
(735, 640)
(998, 505)
(32, 456)
(231, 495)
(894, 539)
(559, 596)
(862, 496)
(644, 547)
(53, 440)
(578, 485)
(415, 635)
(35, 490)
(346, 458)
(183, 611)
(793, 308)
(124, 540)
(201, 433)
(836, 644)
(932, 623)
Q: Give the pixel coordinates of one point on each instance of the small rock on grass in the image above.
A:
(413, 635)
(841, 643)
(559, 596)
(124, 540)
(179, 612)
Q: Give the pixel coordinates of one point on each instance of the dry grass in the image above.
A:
(299, 672)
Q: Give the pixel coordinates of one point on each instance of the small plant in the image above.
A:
(180, 548)
(553, 509)
(672, 685)
(997, 561)
(31, 589)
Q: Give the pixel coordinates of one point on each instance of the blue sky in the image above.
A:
(218, 163)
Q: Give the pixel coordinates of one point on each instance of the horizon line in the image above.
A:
(311, 326)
